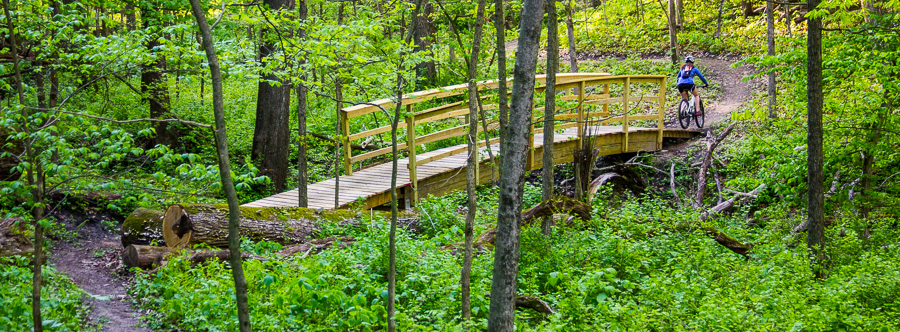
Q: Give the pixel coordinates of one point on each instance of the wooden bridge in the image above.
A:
(614, 114)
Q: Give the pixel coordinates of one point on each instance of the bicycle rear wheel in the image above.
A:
(684, 116)
(700, 116)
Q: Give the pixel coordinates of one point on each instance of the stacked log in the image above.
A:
(188, 225)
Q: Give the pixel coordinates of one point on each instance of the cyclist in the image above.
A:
(686, 81)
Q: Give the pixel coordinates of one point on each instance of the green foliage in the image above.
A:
(60, 299)
(618, 27)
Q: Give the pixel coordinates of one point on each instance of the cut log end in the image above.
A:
(177, 228)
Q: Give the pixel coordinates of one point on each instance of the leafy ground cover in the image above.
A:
(639, 264)
(61, 307)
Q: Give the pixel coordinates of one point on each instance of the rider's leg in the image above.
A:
(684, 95)
(696, 99)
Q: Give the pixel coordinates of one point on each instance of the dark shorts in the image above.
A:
(685, 87)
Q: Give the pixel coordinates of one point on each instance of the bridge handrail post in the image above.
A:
(662, 112)
(529, 163)
(345, 140)
(627, 92)
(581, 119)
(411, 148)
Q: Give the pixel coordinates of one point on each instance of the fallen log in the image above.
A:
(530, 302)
(560, 204)
(187, 225)
(731, 202)
(147, 257)
(728, 242)
(205, 257)
(533, 303)
(143, 227)
(316, 246)
(13, 241)
(144, 256)
(707, 160)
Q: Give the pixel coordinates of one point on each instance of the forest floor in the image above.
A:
(90, 254)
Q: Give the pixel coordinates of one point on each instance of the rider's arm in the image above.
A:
(701, 76)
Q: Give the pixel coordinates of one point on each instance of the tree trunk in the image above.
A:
(35, 178)
(339, 95)
(547, 185)
(472, 162)
(392, 233)
(221, 140)
(747, 6)
(570, 30)
(302, 173)
(719, 20)
(512, 160)
(679, 13)
(155, 91)
(815, 153)
(271, 134)
(770, 33)
(673, 33)
(502, 106)
(424, 36)
(788, 18)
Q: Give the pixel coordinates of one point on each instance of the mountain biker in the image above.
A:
(686, 81)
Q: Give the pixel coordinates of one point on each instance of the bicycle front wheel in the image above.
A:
(684, 115)
(700, 117)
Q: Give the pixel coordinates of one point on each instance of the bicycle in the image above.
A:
(686, 111)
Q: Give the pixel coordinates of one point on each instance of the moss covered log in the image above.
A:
(143, 227)
(191, 224)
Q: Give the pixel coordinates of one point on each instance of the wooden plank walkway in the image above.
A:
(370, 187)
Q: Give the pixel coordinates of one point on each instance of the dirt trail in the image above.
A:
(92, 261)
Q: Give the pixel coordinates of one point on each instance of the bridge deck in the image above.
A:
(370, 187)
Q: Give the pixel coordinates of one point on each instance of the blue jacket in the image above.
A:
(680, 74)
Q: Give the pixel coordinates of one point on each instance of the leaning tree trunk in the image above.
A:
(187, 225)
(471, 163)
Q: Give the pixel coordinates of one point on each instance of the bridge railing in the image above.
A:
(431, 116)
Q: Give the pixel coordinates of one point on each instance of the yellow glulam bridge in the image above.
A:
(616, 113)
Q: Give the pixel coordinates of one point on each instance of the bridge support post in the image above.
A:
(411, 147)
(627, 92)
(662, 113)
